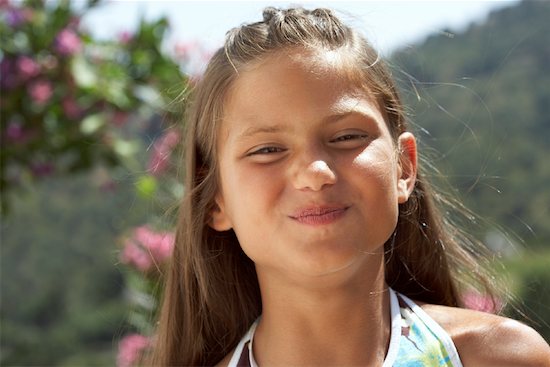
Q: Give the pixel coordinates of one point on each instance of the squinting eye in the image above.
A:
(266, 150)
(350, 137)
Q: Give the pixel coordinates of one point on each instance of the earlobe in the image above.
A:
(219, 220)
(407, 166)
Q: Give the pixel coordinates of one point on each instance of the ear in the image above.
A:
(407, 166)
(219, 219)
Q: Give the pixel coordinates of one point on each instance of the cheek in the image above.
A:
(249, 190)
(378, 165)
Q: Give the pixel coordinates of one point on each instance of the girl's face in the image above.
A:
(310, 179)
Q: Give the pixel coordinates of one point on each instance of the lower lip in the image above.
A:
(321, 219)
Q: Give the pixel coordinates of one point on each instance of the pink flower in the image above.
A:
(183, 50)
(125, 37)
(71, 109)
(130, 349)
(15, 133)
(40, 91)
(42, 169)
(9, 79)
(479, 302)
(67, 42)
(162, 149)
(147, 248)
(16, 17)
(27, 67)
(120, 118)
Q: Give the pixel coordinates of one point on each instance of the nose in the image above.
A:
(314, 176)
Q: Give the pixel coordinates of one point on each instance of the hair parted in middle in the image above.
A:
(212, 294)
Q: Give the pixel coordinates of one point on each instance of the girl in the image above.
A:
(307, 231)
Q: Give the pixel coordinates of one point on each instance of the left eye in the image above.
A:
(348, 137)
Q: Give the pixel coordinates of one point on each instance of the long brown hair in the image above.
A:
(211, 294)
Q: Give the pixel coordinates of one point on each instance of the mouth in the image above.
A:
(319, 215)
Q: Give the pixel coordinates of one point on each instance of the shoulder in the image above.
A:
(483, 339)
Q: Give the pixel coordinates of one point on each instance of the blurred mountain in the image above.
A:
(480, 104)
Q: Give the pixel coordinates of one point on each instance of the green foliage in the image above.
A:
(481, 100)
(531, 283)
(62, 295)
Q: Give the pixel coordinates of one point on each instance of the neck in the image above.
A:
(332, 323)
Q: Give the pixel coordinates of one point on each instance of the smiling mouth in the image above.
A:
(319, 215)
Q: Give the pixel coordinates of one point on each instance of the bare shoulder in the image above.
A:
(483, 339)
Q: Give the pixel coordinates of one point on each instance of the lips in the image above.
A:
(319, 215)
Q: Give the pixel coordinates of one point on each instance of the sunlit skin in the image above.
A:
(310, 181)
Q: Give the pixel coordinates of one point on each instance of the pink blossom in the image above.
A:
(182, 50)
(135, 255)
(120, 118)
(42, 169)
(40, 91)
(162, 149)
(71, 109)
(27, 67)
(147, 248)
(67, 42)
(15, 133)
(125, 37)
(16, 17)
(130, 349)
(9, 79)
(479, 302)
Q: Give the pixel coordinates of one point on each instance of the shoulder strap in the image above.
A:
(395, 333)
(441, 334)
(241, 355)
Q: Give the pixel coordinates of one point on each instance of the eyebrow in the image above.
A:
(253, 130)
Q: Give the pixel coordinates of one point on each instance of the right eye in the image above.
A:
(266, 150)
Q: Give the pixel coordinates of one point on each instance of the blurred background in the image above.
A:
(92, 94)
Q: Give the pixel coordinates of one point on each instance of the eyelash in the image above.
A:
(273, 150)
(267, 150)
(347, 137)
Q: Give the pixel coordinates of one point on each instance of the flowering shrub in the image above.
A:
(479, 302)
(71, 103)
(130, 349)
(146, 249)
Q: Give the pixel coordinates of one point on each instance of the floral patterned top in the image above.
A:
(416, 340)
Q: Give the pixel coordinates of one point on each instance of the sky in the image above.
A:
(387, 24)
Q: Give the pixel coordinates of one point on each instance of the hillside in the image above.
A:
(480, 102)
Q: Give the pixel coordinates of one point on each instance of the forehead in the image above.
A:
(290, 75)
(339, 63)
(294, 87)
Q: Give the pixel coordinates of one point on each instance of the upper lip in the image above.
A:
(316, 210)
